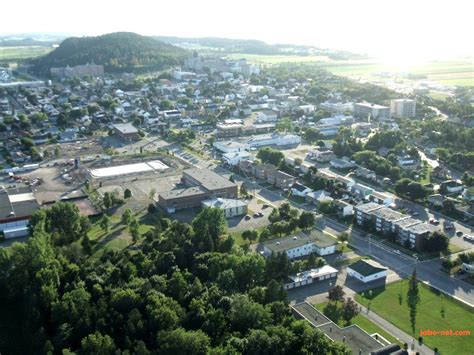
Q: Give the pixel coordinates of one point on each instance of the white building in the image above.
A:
(231, 146)
(234, 158)
(337, 107)
(366, 270)
(365, 109)
(262, 140)
(403, 108)
(308, 277)
(301, 244)
(381, 198)
(267, 116)
(231, 207)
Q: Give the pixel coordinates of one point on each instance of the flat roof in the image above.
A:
(353, 336)
(407, 222)
(423, 228)
(313, 273)
(209, 179)
(224, 203)
(388, 214)
(367, 104)
(318, 238)
(13, 207)
(368, 207)
(125, 128)
(190, 191)
(366, 267)
(128, 169)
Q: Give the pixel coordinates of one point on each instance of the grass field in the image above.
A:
(429, 316)
(18, 53)
(364, 323)
(448, 72)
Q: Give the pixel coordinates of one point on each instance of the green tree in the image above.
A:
(413, 299)
(210, 222)
(126, 217)
(336, 294)
(97, 344)
(180, 341)
(127, 194)
(107, 200)
(349, 310)
(105, 223)
(134, 228)
(306, 220)
(270, 155)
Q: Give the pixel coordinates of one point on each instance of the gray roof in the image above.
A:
(353, 336)
(368, 207)
(224, 203)
(209, 179)
(190, 191)
(125, 128)
(318, 238)
(407, 222)
(422, 228)
(10, 207)
(388, 214)
(366, 268)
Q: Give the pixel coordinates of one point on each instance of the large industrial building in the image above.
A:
(16, 208)
(201, 184)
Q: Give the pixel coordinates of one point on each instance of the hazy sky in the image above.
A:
(396, 30)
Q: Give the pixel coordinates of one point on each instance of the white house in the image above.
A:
(366, 270)
(343, 208)
(298, 189)
(267, 115)
(318, 196)
(301, 244)
(262, 140)
(231, 207)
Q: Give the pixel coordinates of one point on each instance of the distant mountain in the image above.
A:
(24, 42)
(117, 52)
(250, 46)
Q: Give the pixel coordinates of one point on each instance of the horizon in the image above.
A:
(406, 33)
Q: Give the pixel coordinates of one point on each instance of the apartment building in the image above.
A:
(403, 108)
(374, 111)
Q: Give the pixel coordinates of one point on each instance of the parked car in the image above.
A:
(468, 238)
(260, 214)
(434, 221)
(459, 233)
(255, 215)
(247, 217)
(265, 206)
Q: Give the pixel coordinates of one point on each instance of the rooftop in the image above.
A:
(422, 228)
(388, 214)
(190, 191)
(368, 207)
(125, 128)
(366, 267)
(16, 203)
(367, 104)
(209, 179)
(318, 238)
(224, 203)
(313, 273)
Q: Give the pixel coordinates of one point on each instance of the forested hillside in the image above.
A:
(182, 289)
(117, 52)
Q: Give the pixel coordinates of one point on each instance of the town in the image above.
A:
(347, 193)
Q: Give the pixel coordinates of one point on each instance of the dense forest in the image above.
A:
(117, 52)
(180, 289)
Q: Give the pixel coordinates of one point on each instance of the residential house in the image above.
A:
(342, 164)
(452, 187)
(436, 200)
(381, 198)
(300, 190)
(365, 173)
(318, 196)
(361, 191)
(322, 156)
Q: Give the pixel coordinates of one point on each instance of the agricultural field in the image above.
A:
(435, 312)
(449, 72)
(19, 53)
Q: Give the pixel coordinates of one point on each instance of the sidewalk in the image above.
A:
(396, 332)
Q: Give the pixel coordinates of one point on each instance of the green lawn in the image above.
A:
(429, 316)
(363, 322)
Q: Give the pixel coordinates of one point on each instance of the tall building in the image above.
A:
(365, 109)
(403, 108)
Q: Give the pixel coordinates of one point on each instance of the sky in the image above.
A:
(396, 31)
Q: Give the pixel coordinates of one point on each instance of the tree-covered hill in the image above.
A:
(117, 52)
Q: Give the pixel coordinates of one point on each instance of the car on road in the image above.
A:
(468, 237)
(260, 214)
(434, 221)
(255, 215)
(265, 206)
(459, 233)
(247, 217)
(396, 251)
(448, 225)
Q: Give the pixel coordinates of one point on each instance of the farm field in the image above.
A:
(18, 53)
(449, 72)
(435, 312)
